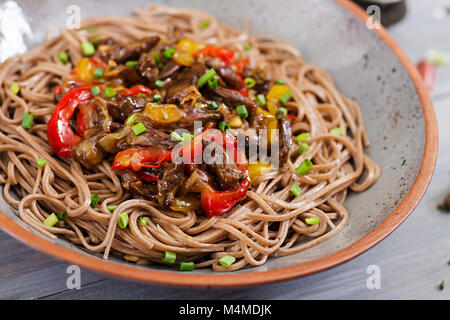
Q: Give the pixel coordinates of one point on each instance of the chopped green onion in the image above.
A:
(242, 111)
(131, 63)
(51, 220)
(90, 30)
(249, 83)
(214, 105)
(442, 285)
(14, 88)
(187, 137)
(62, 56)
(261, 99)
(304, 168)
(168, 53)
(157, 60)
(224, 126)
(437, 57)
(95, 91)
(41, 162)
(337, 131)
(27, 120)
(62, 215)
(131, 119)
(227, 260)
(213, 83)
(112, 208)
(87, 48)
(169, 257)
(176, 136)
(296, 190)
(143, 221)
(122, 220)
(303, 137)
(159, 83)
(247, 47)
(312, 221)
(205, 24)
(285, 97)
(281, 113)
(94, 200)
(186, 266)
(95, 41)
(205, 78)
(280, 82)
(156, 98)
(98, 73)
(304, 147)
(143, 95)
(138, 128)
(110, 92)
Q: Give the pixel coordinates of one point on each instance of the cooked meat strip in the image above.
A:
(134, 184)
(167, 185)
(88, 152)
(285, 139)
(128, 76)
(225, 72)
(169, 69)
(147, 67)
(263, 82)
(126, 106)
(230, 97)
(131, 51)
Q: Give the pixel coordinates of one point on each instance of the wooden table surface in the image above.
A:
(413, 260)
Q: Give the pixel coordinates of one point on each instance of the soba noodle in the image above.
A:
(269, 222)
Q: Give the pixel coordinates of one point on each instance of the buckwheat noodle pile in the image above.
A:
(269, 222)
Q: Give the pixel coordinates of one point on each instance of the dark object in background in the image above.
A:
(447, 202)
(392, 11)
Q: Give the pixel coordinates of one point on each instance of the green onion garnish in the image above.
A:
(296, 190)
(15, 88)
(312, 221)
(242, 111)
(131, 63)
(169, 257)
(285, 97)
(187, 137)
(304, 147)
(110, 92)
(261, 99)
(176, 136)
(156, 98)
(247, 47)
(337, 131)
(131, 119)
(157, 60)
(437, 57)
(227, 260)
(143, 221)
(95, 40)
(51, 220)
(112, 208)
(122, 220)
(281, 113)
(304, 168)
(441, 285)
(94, 200)
(186, 266)
(303, 137)
(95, 91)
(205, 24)
(213, 83)
(168, 53)
(143, 95)
(214, 105)
(280, 82)
(249, 82)
(62, 56)
(62, 215)
(41, 162)
(206, 77)
(27, 120)
(98, 73)
(87, 48)
(224, 126)
(138, 128)
(159, 83)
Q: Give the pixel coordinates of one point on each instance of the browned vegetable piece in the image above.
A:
(122, 53)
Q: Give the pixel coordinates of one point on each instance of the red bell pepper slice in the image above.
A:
(146, 176)
(226, 55)
(137, 158)
(59, 133)
(135, 90)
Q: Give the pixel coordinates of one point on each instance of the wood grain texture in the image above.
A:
(413, 259)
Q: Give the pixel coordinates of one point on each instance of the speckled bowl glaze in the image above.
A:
(367, 66)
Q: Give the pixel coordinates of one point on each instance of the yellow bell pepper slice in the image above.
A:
(271, 124)
(258, 169)
(184, 51)
(274, 95)
(85, 69)
(163, 114)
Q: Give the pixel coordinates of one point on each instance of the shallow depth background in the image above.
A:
(409, 267)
